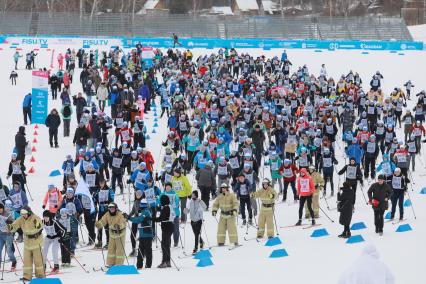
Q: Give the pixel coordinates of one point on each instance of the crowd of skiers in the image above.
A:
(241, 131)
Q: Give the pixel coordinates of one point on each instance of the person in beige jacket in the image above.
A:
(267, 196)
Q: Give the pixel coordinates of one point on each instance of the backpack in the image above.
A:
(67, 111)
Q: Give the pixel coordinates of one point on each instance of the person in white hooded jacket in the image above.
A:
(195, 208)
(367, 269)
(102, 95)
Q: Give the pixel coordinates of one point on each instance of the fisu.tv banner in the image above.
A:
(210, 43)
(40, 95)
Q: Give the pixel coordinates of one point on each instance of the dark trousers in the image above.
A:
(328, 178)
(13, 79)
(104, 172)
(369, 164)
(304, 199)
(205, 195)
(196, 228)
(89, 220)
(245, 201)
(398, 197)
(182, 207)
(145, 251)
(27, 114)
(293, 188)
(53, 136)
(138, 140)
(79, 115)
(133, 235)
(67, 127)
(106, 229)
(166, 240)
(347, 229)
(102, 104)
(378, 219)
(65, 251)
(54, 93)
(117, 178)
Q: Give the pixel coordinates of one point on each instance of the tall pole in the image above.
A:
(281, 7)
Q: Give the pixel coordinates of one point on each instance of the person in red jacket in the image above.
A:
(125, 134)
(54, 197)
(305, 190)
(289, 170)
(146, 157)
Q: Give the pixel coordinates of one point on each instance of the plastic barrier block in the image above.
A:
(203, 254)
(404, 228)
(122, 270)
(278, 253)
(407, 203)
(46, 281)
(205, 262)
(388, 216)
(423, 191)
(365, 52)
(355, 239)
(358, 226)
(319, 233)
(55, 173)
(273, 242)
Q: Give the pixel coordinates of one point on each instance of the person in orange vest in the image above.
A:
(54, 197)
(305, 190)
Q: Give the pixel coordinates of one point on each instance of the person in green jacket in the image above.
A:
(66, 113)
(183, 189)
(274, 164)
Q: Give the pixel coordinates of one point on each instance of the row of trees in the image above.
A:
(327, 7)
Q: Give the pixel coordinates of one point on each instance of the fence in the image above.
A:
(222, 27)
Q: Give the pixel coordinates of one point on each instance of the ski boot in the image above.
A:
(250, 221)
(13, 268)
(162, 265)
(299, 223)
(55, 269)
(244, 222)
(313, 222)
(132, 253)
(98, 245)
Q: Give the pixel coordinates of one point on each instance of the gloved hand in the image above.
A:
(214, 213)
(43, 206)
(126, 216)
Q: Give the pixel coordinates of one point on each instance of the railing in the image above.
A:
(275, 27)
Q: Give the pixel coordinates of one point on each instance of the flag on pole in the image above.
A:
(83, 189)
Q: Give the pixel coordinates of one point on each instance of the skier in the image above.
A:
(353, 175)
(13, 76)
(166, 216)
(102, 198)
(117, 224)
(228, 204)
(53, 120)
(305, 191)
(206, 180)
(54, 197)
(6, 238)
(54, 232)
(195, 208)
(378, 196)
(398, 183)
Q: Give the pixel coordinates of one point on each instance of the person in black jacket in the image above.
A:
(95, 131)
(166, 218)
(80, 137)
(53, 121)
(378, 196)
(345, 206)
(79, 103)
(54, 232)
(54, 85)
(20, 144)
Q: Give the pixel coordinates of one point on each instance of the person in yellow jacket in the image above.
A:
(228, 204)
(32, 226)
(116, 222)
(319, 185)
(183, 189)
(267, 196)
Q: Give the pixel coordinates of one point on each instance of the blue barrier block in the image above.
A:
(388, 216)
(46, 281)
(358, 226)
(156, 124)
(404, 228)
(278, 253)
(407, 203)
(155, 114)
(365, 52)
(153, 131)
(319, 233)
(273, 242)
(318, 50)
(203, 254)
(205, 262)
(393, 51)
(153, 104)
(423, 191)
(155, 119)
(147, 137)
(55, 173)
(122, 270)
(355, 239)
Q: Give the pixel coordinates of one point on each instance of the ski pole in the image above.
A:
(42, 261)
(411, 203)
(363, 194)
(72, 255)
(205, 232)
(29, 192)
(275, 219)
(326, 202)
(19, 252)
(171, 259)
(4, 262)
(124, 250)
(326, 214)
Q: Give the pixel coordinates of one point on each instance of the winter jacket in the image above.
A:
(195, 209)
(379, 192)
(206, 178)
(144, 220)
(345, 200)
(174, 201)
(53, 121)
(305, 185)
(80, 136)
(102, 94)
(63, 112)
(20, 141)
(19, 199)
(26, 103)
(95, 130)
(182, 186)
(54, 197)
(79, 103)
(355, 151)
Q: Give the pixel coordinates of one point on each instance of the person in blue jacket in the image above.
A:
(140, 176)
(26, 108)
(68, 168)
(88, 159)
(146, 95)
(386, 167)
(201, 158)
(223, 133)
(145, 225)
(75, 209)
(114, 99)
(175, 205)
(355, 151)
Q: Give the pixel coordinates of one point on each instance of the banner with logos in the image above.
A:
(40, 95)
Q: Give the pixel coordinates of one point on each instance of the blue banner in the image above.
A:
(39, 105)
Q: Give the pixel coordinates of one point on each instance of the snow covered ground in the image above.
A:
(310, 260)
(418, 32)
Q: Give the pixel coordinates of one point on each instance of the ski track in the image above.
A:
(400, 251)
